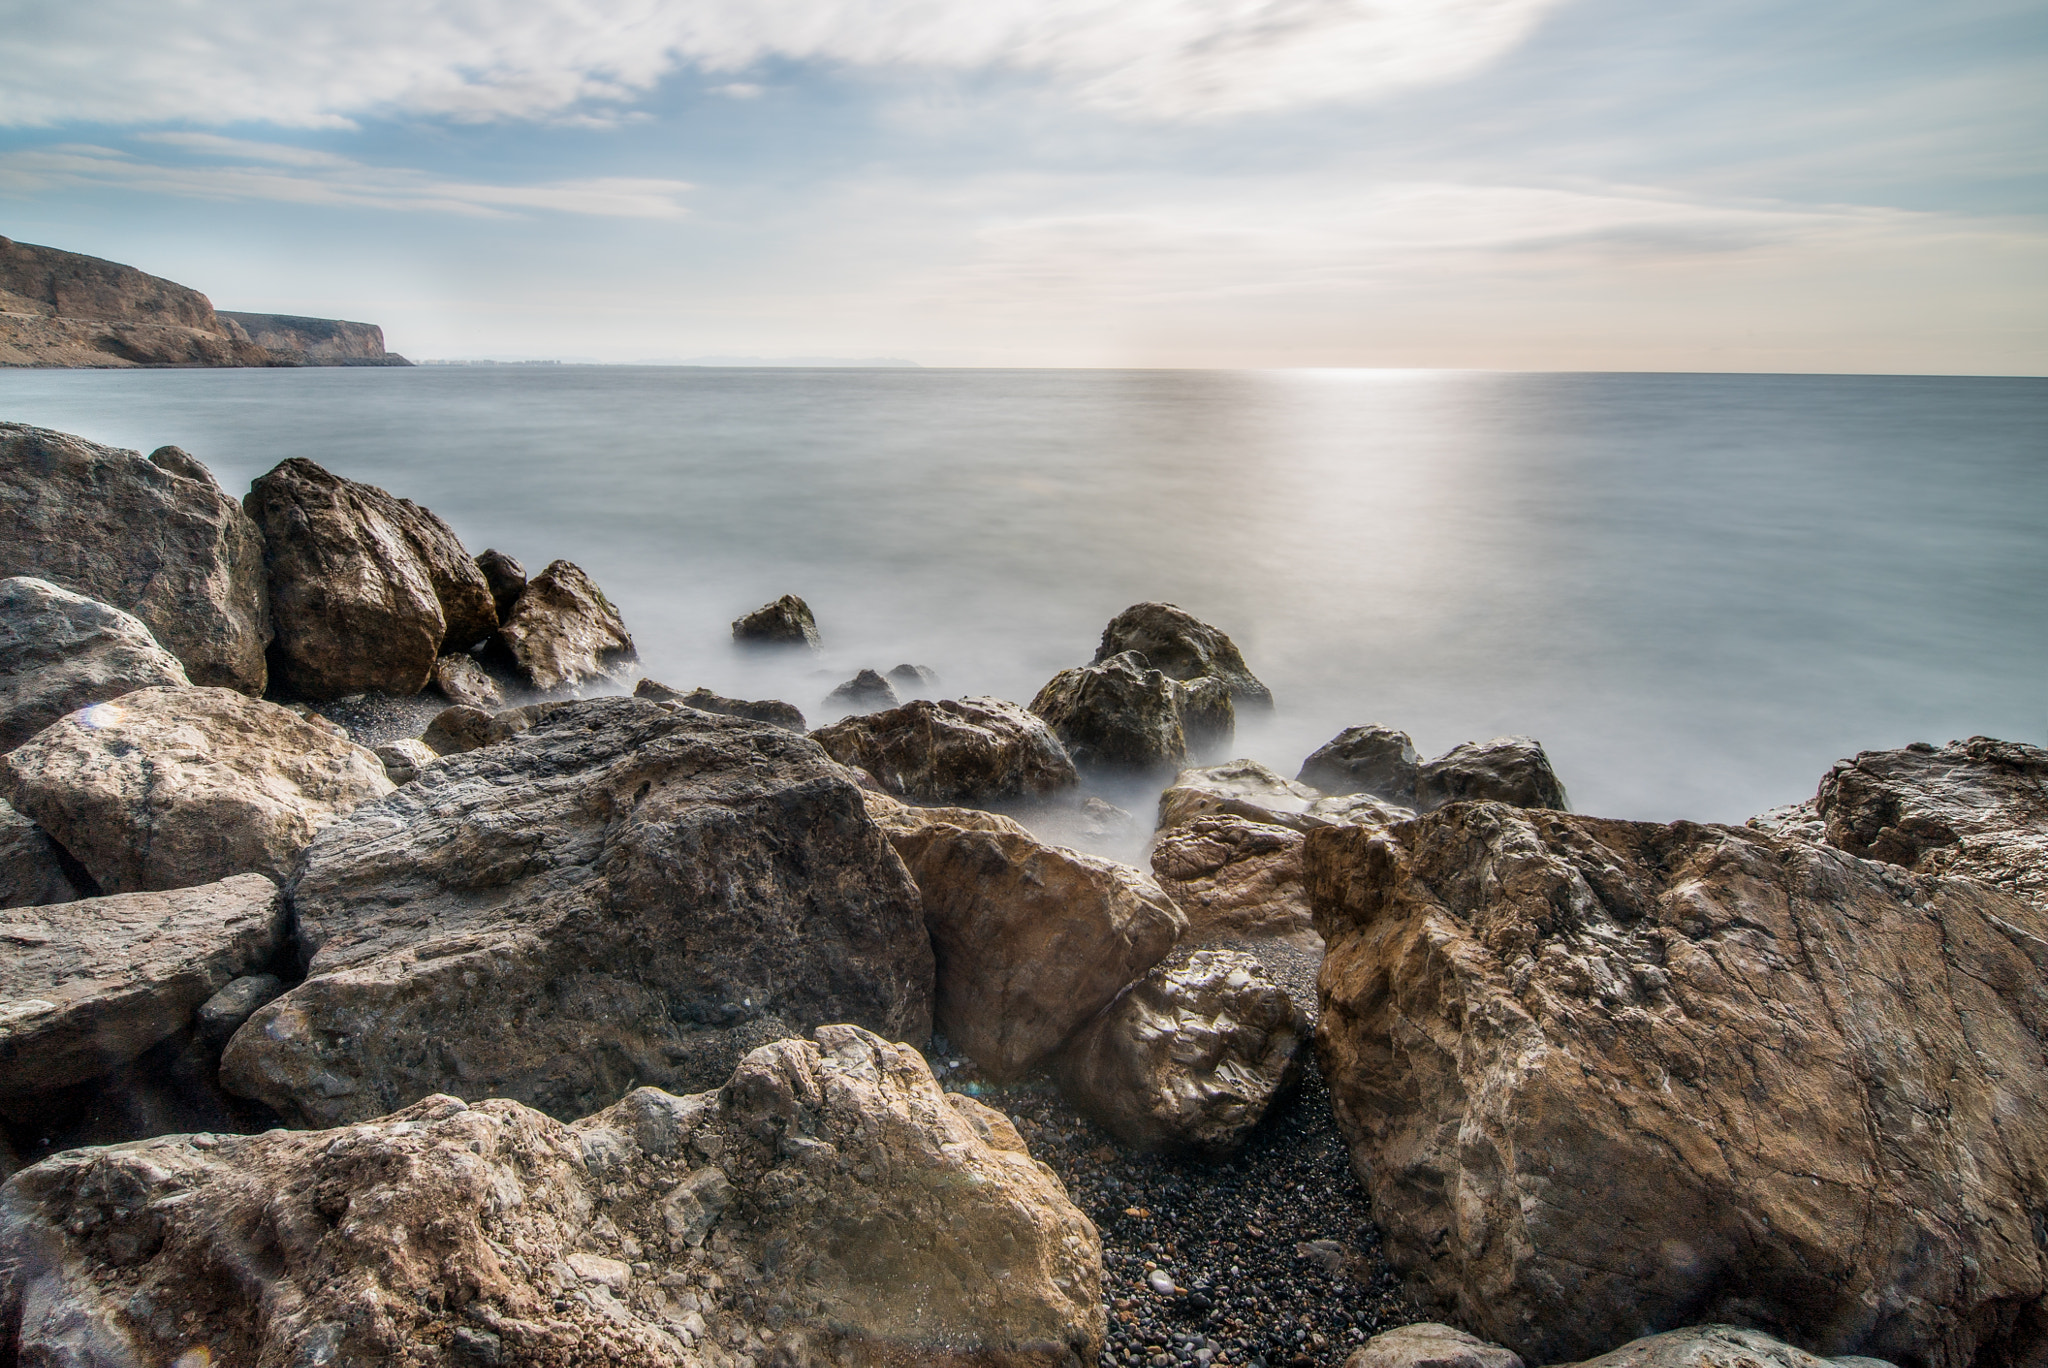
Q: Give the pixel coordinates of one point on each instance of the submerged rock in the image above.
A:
(1184, 648)
(866, 692)
(1507, 769)
(506, 578)
(61, 651)
(1117, 715)
(1233, 876)
(1370, 759)
(32, 870)
(565, 633)
(785, 622)
(969, 750)
(785, 715)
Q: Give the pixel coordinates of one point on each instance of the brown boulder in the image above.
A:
(1184, 647)
(1427, 1344)
(565, 633)
(61, 651)
(785, 622)
(1234, 877)
(462, 681)
(1119, 714)
(32, 870)
(1239, 788)
(1208, 717)
(1598, 1075)
(785, 715)
(970, 750)
(1718, 1346)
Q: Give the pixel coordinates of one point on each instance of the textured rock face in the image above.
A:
(1719, 1346)
(316, 341)
(785, 622)
(1371, 759)
(564, 633)
(1190, 1057)
(965, 750)
(1208, 717)
(1599, 1075)
(156, 538)
(1184, 647)
(785, 715)
(1234, 877)
(1031, 940)
(1430, 1345)
(31, 871)
(1241, 788)
(167, 788)
(86, 986)
(1118, 714)
(461, 680)
(56, 283)
(403, 760)
(914, 679)
(505, 576)
(623, 893)
(866, 692)
(1507, 769)
(60, 651)
(830, 1197)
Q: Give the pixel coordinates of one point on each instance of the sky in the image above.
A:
(1729, 185)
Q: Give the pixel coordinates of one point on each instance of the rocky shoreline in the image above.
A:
(393, 975)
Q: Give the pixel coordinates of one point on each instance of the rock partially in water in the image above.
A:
(1599, 1075)
(1428, 1344)
(914, 679)
(61, 651)
(32, 869)
(772, 710)
(1234, 877)
(156, 538)
(565, 634)
(969, 750)
(866, 692)
(1184, 648)
(461, 680)
(1208, 718)
(506, 578)
(168, 788)
(1507, 769)
(1719, 1346)
(1371, 759)
(785, 622)
(1119, 715)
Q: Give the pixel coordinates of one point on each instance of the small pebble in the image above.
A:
(1161, 1284)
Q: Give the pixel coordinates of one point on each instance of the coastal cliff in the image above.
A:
(316, 341)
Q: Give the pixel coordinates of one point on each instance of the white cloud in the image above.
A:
(311, 63)
(298, 176)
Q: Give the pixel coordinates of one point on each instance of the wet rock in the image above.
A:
(1208, 718)
(1184, 648)
(86, 986)
(1234, 877)
(1370, 759)
(866, 692)
(1719, 1346)
(32, 869)
(60, 651)
(1240, 788)
(1428, 1344)
(167, 788)
(156, 538)
(914, 679)
(1190, 1057)
(1031, 940)
(1117, 715)
(1507, 769)
(968, 750)
(828, 1205)
(506, 579)
(1602, 1074)
(461, 680)
(771, 710)
(221, 1015)
(565, 633)
(646, 892)
(785, 622)
(403, 760)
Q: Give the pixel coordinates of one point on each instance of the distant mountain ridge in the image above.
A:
(60, 308)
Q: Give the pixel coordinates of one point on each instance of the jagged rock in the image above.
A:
(1190, 1057)
(785, 622)
(1428, 1344)
(784, 715)
(624, 892)
(506, 578)
(914, 679)
(565, 633)
(866, 692)
(1800, 821)
(1118, 714)
(1597, 1075)
(1241, 788)
(1370, 759)
(404, 759)
(1183, 647)
(156, 538)
(61, 651)
(968, 750)
(86, 986)
(167, 788)
(461, 680)
(830, 1205)
(1208, 718)
(221, 1015)
(367, 590)
(1031, 940)
(1719, 1346)
(1507, 769)
(1234, 877)
(32, 870)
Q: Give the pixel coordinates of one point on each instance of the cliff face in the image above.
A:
(317, 341)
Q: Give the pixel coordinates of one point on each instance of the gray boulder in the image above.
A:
(156, 538)
(1208, 717)
(1428, 1344)
(32, 870)
(221, 1015)
(60, 651)
(785, 715)
(785, 622)
(1507, 769)
(506, 578)
(1183, 647)
(916, 679)
(624, 892)
(1370, 759)
(1719, 1346)
(866, 692)
(565, 634)
(1119, 714)
(969, 750)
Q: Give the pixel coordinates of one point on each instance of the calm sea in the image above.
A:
(1697, 591)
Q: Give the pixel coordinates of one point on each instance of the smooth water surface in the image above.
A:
(1698, 591)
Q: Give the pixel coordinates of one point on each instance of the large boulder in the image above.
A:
(1117, 714)
(1031, 940)
(1184, 647)
(622, 893)
(1601, 1075)
(1370, 759)
(1190, 1057)
(1234, 877)
(32, 870)
(367, 590)
(785, 622)
(156, 538)
(969, 750)
(167, 788)
(785, 715)
(60, 651)
(86, 986)
(1428, 1344)
(1507, 769)
(829, 1205)
(1716, 1346)
(564, 633)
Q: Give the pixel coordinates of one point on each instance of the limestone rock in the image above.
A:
(1118, 715)
(461, 680)
(1031, 940)
(784, 715)
(86, 986)
(1370, 759)
(221, 1015)
(1719, 1346)
(32, 870)
(866, 692)
(829, 1205)
(1190, 1057)
(1208, 717)
(1507, 769)
(624, 892)
(1427, 1344)
(1183, 647)
(1240, 788)
(1234, 877)
(565, 633)
(1598, 1075)
(915, 679)
(969, 750)
(60, 651)
(167, 788)
(785, 622)
(506, 578)
(404, 759)
(156, 538)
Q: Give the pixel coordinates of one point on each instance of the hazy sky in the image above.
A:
(1556, 184)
